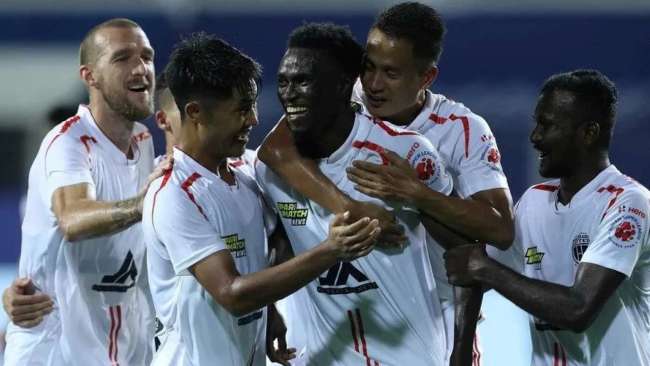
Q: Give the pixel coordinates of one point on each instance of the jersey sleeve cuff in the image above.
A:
(182, 268)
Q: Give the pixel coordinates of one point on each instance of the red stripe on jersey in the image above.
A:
(476, 352)
(117, 330)
(390, 131)
(186, 187)
(371, 146)
(611, 189)
(166, 175)
(354, 331)
(237, 163)
(66, 126)
(116, 323)
(556, 355)
(546, 187)
(85, 139)
(141, 136)
(439, 120)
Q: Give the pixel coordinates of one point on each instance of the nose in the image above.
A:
(375, 81)
(535, 135)
(140, 68)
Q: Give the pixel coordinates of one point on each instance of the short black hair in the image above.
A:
(204, 65)
(162, 95)
(419, 24)
(88, 50)
(333, 39)
(595, 94)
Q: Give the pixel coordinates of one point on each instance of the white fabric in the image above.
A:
(381, 308)
(190, 214)
(605, 223)
(99, 285)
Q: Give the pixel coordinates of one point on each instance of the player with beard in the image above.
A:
(582, 243)
(379, 309)
(401, 61)
(82, 244)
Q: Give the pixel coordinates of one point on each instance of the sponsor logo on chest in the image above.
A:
(236, 246)
(290, 211)
(534, 257)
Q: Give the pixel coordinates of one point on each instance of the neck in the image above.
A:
(584, 173)
(169, 145)
(405, 117)
(335, 134)
(114, 126)
(191, 145)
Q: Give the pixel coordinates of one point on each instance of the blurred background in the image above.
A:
(497, 54)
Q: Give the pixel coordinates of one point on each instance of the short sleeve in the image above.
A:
(512, 257)
(428, 164)
(479, 164)
(182, 228)
(621, 235)
(67, 162)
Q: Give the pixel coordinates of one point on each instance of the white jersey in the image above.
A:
(470, 153)
(606, 223)
(377, 310)
(189, 214)
(103, 312)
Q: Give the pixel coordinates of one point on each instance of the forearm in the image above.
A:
(467, 306)
(279, 152)
(87, 218)
(256, 290)
(476, 219)
(443, 235)
(556, 304)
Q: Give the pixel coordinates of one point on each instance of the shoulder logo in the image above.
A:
(534, 257)
(491, 156)
(579, 246)
(624, 231)
(424, 162)
(290, 211)
(236, 246)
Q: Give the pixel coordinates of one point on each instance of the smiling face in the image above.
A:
(124, 71)
(558, 134)
(309, 89)
(227, 123)
(392, 81)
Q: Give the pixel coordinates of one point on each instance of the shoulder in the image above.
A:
(444, 111)
(393, 137)
(141, 133)
(539, 193)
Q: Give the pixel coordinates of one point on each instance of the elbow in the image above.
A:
(68, 231)
(234, 301)
(503, 238)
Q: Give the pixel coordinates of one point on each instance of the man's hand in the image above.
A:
(397, 181)
(276, 330)
(25, 306)
(463, 262)
(392, 234)
(352, 241)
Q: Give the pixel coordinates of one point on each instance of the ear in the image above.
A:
(86, 74)
(193, 111)
(591, 132)
(429, 77)
(161, 120)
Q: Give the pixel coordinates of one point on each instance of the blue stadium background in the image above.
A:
(493, 61)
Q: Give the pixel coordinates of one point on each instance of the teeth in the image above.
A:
(296, 109)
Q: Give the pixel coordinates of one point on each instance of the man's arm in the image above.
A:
(80, 216)
(279, 152)
(241, 294)
(567, 307)
(487, 217)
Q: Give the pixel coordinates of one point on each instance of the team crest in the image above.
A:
(579, 246)
(625, 231)
(491, 156)
(426, 167)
